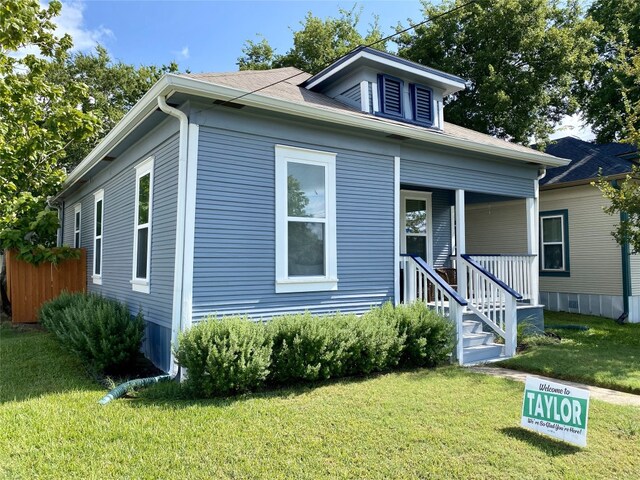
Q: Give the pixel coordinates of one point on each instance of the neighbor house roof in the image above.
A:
(588, 160)
(287, 84)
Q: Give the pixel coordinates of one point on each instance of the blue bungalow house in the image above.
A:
(270, 192)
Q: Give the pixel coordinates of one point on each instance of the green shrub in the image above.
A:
(429, 337)
(225, 356)
(237, 354)
(99, 330)
(309, 348)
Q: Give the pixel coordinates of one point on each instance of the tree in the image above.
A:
(611, 99)
(316, 45)
(113, 88)
(40, 119)
(521, 59)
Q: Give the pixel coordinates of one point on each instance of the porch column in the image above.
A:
(460, 243)
(533, 245)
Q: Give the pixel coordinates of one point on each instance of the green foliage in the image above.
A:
(225, 356)
(40, 118)
(113, 87)
(429, 339)
(237, 354)
(521, 57)
(100, 331)
(317, 44)
(31, 232)
(611, 99)
(624, 197)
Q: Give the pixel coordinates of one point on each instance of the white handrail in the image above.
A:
(492, 301)
(515, 270)
(422, 283)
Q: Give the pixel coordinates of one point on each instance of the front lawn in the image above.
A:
(424, 423)
(606, 355)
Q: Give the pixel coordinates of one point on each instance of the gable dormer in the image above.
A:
(383, 84)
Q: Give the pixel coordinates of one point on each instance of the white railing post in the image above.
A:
(511, 326)
(455, 315)
(460, 244)
(411, 279)
(532, 245)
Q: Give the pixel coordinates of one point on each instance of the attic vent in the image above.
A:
(422, 104)
(390, 95)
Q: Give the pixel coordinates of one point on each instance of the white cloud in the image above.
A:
(184, 53)
(71, 21)
(573, 126)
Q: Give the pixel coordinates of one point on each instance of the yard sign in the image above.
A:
(556, 410)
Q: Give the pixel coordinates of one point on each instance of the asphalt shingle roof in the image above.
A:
(587, 160)
(284, 84)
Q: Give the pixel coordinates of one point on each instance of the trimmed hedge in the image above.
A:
(236, 354)
(99, 330)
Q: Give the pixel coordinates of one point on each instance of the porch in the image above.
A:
(485, 294)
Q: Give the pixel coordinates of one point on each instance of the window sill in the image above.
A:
(290, 285)
(97, 279)
(555, 273)
(141, 286)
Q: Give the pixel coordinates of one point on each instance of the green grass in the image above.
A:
(424, 423)
(607, 355)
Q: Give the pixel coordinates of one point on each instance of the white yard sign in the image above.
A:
(557, 410)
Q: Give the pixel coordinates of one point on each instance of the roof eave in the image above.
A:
(170, 83)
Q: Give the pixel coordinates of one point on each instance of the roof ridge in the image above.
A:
(240, 72)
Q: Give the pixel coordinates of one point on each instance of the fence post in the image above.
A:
(511, 327)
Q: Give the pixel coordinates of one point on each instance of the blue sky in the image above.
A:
(208, 35)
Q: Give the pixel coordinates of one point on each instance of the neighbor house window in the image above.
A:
(142, 226)
(390, 96)
(77, 218)
(421, 104)
(554, 242)
(305, 220)
(98, 224)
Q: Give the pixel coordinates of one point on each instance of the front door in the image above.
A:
(415, 224)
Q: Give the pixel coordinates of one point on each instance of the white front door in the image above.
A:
(415, 224)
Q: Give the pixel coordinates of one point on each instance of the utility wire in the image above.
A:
(388, 37)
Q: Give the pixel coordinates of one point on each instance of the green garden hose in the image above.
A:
(123, 388)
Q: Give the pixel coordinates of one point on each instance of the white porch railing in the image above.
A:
(422, 283)
(491, 299)
(517, 271)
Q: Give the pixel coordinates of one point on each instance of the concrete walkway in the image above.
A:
(603, 394)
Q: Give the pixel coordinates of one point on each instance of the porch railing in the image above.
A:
(422, 283)
(491, 299)
(517, 271)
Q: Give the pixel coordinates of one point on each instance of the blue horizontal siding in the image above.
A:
(234, 264)
(118, 182)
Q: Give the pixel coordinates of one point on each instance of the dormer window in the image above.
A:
(421, 104)
(391, 96)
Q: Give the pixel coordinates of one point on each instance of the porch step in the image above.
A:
(478, 345)
(483, 353)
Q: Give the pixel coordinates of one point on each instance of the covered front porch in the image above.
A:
(485, 292)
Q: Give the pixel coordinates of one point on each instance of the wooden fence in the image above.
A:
(29, 286)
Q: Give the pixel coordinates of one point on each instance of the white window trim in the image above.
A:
(543, 243)
(138, 284)
(77, 226)
(416, 195)
(97, 197)
(284, 283)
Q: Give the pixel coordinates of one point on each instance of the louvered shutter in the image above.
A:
(391, 93)
(422, 104)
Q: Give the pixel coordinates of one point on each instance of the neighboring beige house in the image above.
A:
(582, 268)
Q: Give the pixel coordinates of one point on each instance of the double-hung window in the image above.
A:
(142, 226)
(77, 218)
(305, 220)
(554, 243)
(98, 224)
